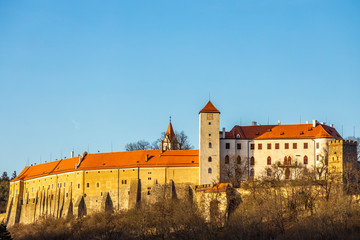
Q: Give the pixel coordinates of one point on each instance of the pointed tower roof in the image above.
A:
(170, 132)
(209, 108)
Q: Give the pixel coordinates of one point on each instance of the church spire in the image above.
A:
(170, 131)
(170, 141)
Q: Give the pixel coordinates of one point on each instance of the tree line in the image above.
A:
(4, 189)
(183, 143)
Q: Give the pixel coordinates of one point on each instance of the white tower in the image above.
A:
(209, 145)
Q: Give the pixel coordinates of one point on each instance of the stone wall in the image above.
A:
(84, 192)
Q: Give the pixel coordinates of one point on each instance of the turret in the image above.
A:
(170, 141)
(209, 145)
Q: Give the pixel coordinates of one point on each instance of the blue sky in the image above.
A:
(91, 74)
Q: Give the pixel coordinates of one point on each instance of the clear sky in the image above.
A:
(79, 75)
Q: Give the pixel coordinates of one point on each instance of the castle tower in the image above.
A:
(342, 157)
(209, 145)
(170, 141)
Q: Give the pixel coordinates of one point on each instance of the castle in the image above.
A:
(120, 180)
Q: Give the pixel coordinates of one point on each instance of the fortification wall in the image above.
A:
(84, 192)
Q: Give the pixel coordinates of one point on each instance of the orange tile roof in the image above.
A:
(209, 108)
(170, 132)
(295, 131)
(221, 187)
(130, 159)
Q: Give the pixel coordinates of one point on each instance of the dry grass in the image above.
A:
(294, 210)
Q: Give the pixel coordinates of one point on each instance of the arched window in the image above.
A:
(226, 159)
(285, 160)
(210, 145)
(287, 173)
(252, 161)
(238, 160)
(209, 170)
(209, 159)
(269, 160)
(289, 160)
(305, 159)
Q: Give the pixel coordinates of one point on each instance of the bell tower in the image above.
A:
(170, 141)
(209, 145)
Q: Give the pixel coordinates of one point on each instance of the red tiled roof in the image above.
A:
(296, 131)
(209, 108)
(130, 159)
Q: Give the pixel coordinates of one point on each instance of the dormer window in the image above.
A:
(237, 135)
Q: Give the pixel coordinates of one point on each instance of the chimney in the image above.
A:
(307, 122)
(332, 125)
(72, 154)
(253, 123)
(314, 123)
(279, 122)
(223, 133)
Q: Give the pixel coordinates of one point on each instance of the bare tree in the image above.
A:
(139, 145)
(182, 141)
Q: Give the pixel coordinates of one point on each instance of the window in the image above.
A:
(252, 146)
(238, 160)
(252, 161)
(238, 146)
(277, 145)
(306, 146)
(97, 185)
(64, 184)
(305, 159)
(289, 160)
(317, 157)
(149, 178)
(269, 146)
(259, 146)
(209, 134)
(209, 123)
(317, 145)
(125, 181)
(227, 145)
(285, 160)
(210, 145)
(269, 160)
(87, 185)
(286, 145)
(209, 170)
(78, 185)
(294, 145)
(209, 159)
(226, 159)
